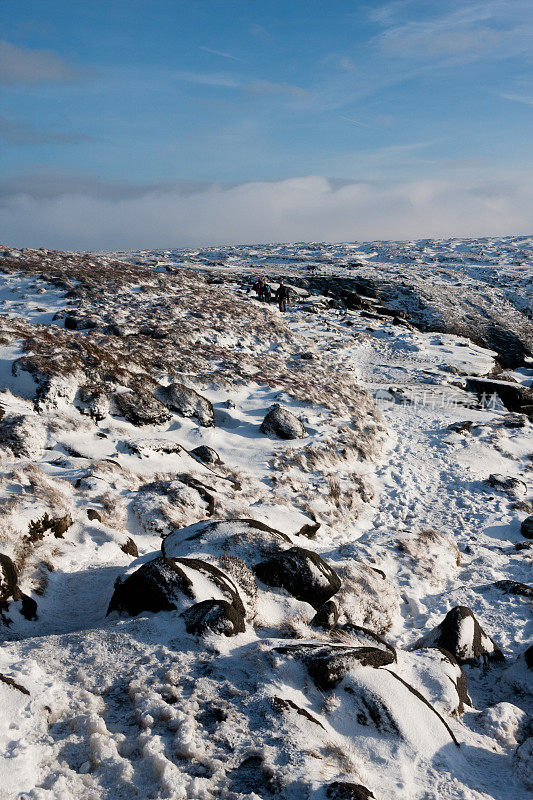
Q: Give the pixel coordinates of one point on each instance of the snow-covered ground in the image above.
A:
(138, 706)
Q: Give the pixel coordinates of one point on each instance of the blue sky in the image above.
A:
(345, 110)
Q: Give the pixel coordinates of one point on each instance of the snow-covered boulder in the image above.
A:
(93, 401)
(245, 538)
(167, 584)
(436, 674)
(506, 723)
(207, 455)
(302, 573)
(217, 616)
(461, 634)
(526, 528)
(327, 664)
(514, 487)
(367, 597)
(141, 408)
(282, 423)
(514, 396)
(188, 403)
(523, 761)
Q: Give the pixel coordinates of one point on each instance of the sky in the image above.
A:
(129, 124)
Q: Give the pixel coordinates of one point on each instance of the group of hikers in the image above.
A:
(264, 293)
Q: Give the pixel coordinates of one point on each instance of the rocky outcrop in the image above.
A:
(188, 403)
(207, 455)
(514, 396)
(282, 423)
(342, 790)
(141, 408)
(461, 635)
(302, 573)
(328, 664)
(327, 616)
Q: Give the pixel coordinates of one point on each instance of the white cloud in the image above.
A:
(22, 65)
(518, 98)
(299, 209)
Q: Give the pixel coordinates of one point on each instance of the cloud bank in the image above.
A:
(92, 215)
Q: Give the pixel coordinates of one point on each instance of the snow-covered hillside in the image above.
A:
(246, 554)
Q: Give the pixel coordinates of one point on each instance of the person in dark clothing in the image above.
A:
(267, 293)
(258, 288)
(282, 295)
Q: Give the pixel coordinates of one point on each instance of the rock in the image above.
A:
(206, 454)
(461, 635)
(302, 573)
(188, 403)
(163, 584)
(506, 723)
(461, 427)
(526, 528)
(81, 322)
(528, 657)
(514, 587)
(93, 514)
(94, 402)
(282, 423)
(244, 538)
(8, 580)
(217, 616)
(141, 408)
(511, 486)
(327, 664)
(327, 616)
(29, 608)
(130, 548)
(514, 396)
(24, 435)
(341, 790)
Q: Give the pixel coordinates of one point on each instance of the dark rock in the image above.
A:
(511, 486)
(28, 608)
(528, 656)
(252, 776)
(94, 402)
(461, 635)
(93, 514)
(341, 790)
(206, 454)
(81, 322)
(142, 409)
(310, 530)
(514, 396)
(366, 638)
(282, 423)
(217, 616)
(461, 427)
(130, 548)
(514, 587)
(327, 616)
(302, 573)
(526, 528)
(8, 580)
(188, 403)
(328, 664)
(161, 584)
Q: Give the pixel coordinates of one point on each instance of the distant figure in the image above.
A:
(282, 295)
(267, 293)
(258, 288)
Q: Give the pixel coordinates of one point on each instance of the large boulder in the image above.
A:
(282, 423)
(302, 573)
(207, 455)
(461, 635)
(8, 580)
(188, 403)
(141, 408)
(244, 538)
(327, 664)
(514, 396)
(216, 616)
(166, 584)
(327, 616)
(526, 527)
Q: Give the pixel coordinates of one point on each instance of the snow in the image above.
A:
(135, 708)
